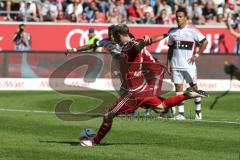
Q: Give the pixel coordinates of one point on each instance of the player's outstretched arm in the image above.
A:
(148, 41)
(158, 38)
(79, 49)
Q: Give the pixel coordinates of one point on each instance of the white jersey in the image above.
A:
(183, 42)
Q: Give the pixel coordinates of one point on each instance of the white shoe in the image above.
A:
(195, 93)
(180, 117)
(198, 116)
(87, 143)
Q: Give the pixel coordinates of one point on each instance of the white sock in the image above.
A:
(181, 105)
(197, 102)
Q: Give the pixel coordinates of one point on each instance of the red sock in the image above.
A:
(175, 100)
(104, 129)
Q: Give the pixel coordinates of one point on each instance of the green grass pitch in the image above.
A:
(25, 134)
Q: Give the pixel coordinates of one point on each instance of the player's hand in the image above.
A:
(69, 51)
(147, 39)
(192, 60)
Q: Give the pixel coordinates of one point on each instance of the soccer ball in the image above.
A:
(86, 136)
(87, 133)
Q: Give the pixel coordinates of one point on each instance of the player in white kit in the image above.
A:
(181, 58)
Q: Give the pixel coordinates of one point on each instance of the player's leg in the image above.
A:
(175, 100)
(191, 78)
(197, 101)
(104, 128)
(155, 82)
(179, 91)
(178, 81)
(119, 107)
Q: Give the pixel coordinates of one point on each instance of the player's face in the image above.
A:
(124, 38)
(181, 19)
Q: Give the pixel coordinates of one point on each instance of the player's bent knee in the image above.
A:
(108, 117)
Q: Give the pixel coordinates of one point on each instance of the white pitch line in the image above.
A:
(214, 121)
(48, 112)
(25, 111)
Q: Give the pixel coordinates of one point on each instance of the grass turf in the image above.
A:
(41, 135)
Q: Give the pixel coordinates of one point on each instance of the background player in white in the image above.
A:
(181, 58)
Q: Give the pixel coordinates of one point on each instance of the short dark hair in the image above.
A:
(21, 25)
(110, 30)
(91, 30)
(120, 29)
(123, 29)
(182, 10)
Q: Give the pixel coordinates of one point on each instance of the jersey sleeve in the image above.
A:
(198, 36)
(170, 38)
(100, 43)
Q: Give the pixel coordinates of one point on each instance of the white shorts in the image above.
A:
(180, 77)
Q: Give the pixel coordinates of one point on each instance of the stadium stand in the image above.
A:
(200, 12)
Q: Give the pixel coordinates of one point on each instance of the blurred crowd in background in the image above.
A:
(200, 12)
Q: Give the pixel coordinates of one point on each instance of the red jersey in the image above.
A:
(131, 66)
(137, 66)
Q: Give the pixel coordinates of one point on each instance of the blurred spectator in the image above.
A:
(98, 17)
(61, 17)
(45, 15)
(180, 4)
(148, 19)
(209, 12)
(22, 39)
(83, 18)
(220, 19)
(117, 11)
(122, 9)
(112, 4)
(115, 16)
(2, 8)
(90, 9)
(135, 12)
(50, 10)
(104, 6)
(74, 9)
(28, 11)
(219, 4)
(163, 5)
(163, 18)
(54, 8)
(195, 14)
(12, 8)
(233, 24)
(147, 9)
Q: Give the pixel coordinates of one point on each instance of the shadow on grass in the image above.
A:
(71, 143)
(76, 143)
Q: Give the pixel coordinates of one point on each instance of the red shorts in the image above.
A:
(129, 101)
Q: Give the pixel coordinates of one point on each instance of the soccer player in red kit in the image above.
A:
(136, 91)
